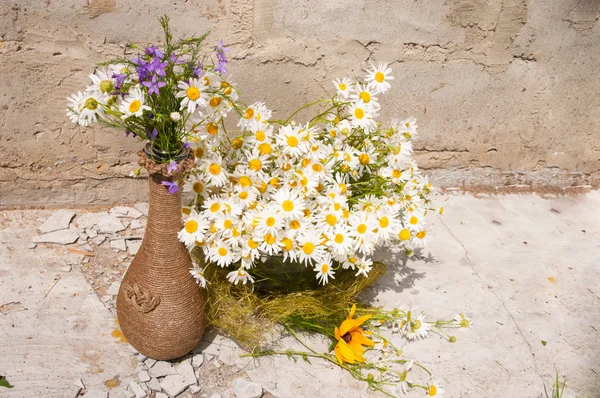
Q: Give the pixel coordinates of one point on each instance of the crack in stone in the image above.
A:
(498, 297)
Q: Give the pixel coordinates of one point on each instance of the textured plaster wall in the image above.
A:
(506, 92)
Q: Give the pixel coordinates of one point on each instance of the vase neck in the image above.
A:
(164, 213)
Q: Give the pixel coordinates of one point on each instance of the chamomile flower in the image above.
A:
(193, 94)
(434, 388)
(379, 77)
(464, 322)
(245, 195)
(343, 87)
(289, 203)
(340, 242)
(324, 269)
(241, 275)
(86, 108)
(361, 229)
(216, 173)
(290, 141)
(198, 275)
(221, 253)
(419, 239)
(310, 248)
(365, 95)
(102, 81)
(193, 230)
(364, 266)
(403, 383)
(134, 104)
(388, 227)
(414, 326)
(362, 116)
(414, 219)
(255, 117)
(269, 221)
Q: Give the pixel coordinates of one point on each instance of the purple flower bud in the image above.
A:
(173, 166)
(173, 187)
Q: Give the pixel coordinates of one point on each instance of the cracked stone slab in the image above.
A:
(61, 237)
(60, 219)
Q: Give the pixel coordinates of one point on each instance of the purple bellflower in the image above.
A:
(154, 52)
(172, 166)
(173, 187)
(154, 85)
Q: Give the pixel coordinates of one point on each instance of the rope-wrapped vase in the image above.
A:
(160, 307)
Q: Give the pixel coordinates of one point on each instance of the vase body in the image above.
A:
(160, 307)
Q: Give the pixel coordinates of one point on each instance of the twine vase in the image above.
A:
(160, 306)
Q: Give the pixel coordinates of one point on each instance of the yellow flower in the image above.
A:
(351, 339)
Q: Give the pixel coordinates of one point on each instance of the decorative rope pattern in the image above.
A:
(140, 298)
(159, 274)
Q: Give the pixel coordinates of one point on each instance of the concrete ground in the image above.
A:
(525, 268)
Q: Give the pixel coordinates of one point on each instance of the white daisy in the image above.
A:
(198, 275)
(193, 94)
(102, 81)
(221, 253)
(193, 230)
(289, 203)
(290, 141)
(379, 77)
(464, 322)
(343, 87)
(216, 173)
(364, 266)
(324, 270)
(85, 108)
(241, 275)
(310, 248)
(340, 242)
(133, 104)
(419, 239)
(361, 116)
(434, 388)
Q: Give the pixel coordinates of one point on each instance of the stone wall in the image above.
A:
(506, 92)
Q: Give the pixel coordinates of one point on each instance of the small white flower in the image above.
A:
(198, 275)
(175, 116)
(239, 276)
(464, 322)
(379, 77)
(323, 269)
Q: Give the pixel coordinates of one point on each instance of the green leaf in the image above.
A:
(4, 382)
(544, 343)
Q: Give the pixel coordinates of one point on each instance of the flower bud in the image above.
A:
(175, 116)
(453, 339)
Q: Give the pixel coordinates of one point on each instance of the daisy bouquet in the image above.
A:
(160, 96)
(323, 193)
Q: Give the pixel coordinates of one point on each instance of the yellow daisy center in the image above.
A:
(295, 224)
(91, 104)
(274, 182)
(308, 248)
(396, 173)
(365, 96)
(364, 159)
(192, 93)
(222, 251)
(379, 77)
(215, 207)
(288, 243)
(245, 181)
(421, 234)
(198, 152)
(269, 239)
(384, 222)
(413, 220)
(339, 238)
(292, 141)
(214, 169)
(361, 229)
(324, 268)
(260, 136)
(287, 205)
(198, 187)
(135, 106)
(263, 187)
(252, 244)
(317, 168)
(255, 164)
(215, 101)
(243, 195)
(227, 224)
(191, 226)
(270, 221)
(432, 391)
(237, 143)
(249, 113)
(331, 219)
(265, 148)
(212, 129)
(342, 87)
(404, 234)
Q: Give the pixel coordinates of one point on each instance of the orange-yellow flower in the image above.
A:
(351, 339)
